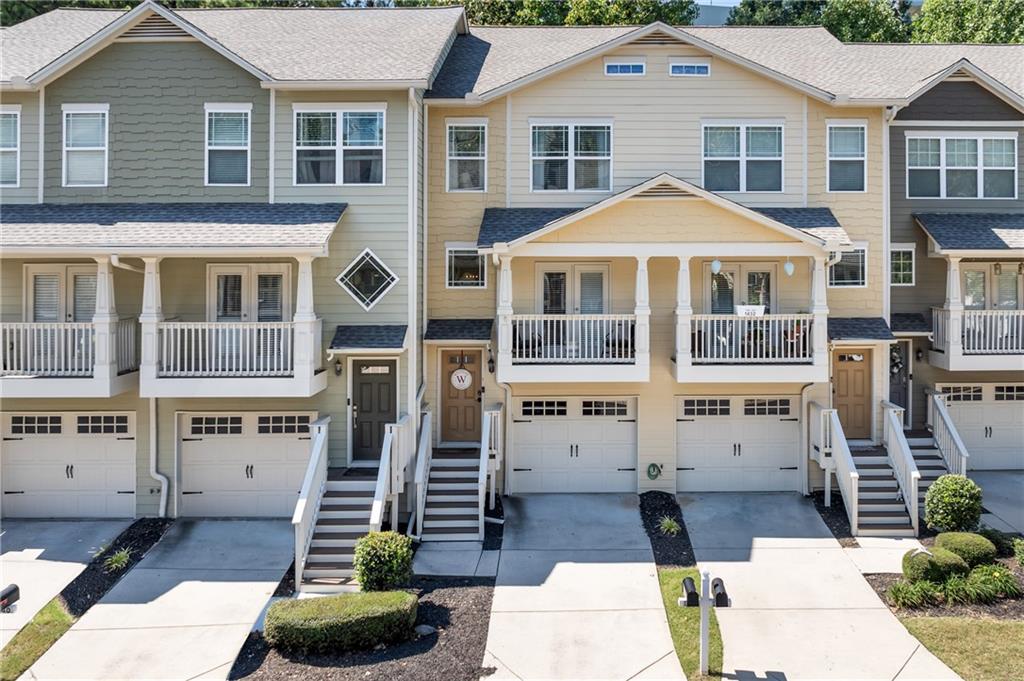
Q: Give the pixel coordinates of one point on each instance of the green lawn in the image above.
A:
(684, 624)
(977, 650)
(34, 639)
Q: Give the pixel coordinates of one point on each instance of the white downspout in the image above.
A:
(153, 472)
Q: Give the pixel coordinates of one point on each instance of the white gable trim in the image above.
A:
(978, 75)
(684, 186)
(107, 35)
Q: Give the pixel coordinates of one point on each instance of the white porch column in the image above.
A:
(505, 312)
(819, 308)
(955, 305)
(306, 350)
(150, 317)
(684, 316)
(642, 311)
(104, 322)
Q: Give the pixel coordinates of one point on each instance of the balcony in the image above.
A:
(977, 340)
(73, 359)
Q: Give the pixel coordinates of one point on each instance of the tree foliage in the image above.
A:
(864, 21)
(776, 13)
(970, 21)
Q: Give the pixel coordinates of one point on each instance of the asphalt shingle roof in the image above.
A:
(459, 329)
(368, 336)
(909, 322)
(858, 328)
(819, 222)
(974, 231)
(143, 225)
(31, 45)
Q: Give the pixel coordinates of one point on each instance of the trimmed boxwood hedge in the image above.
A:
(953, 503)
(383, 560)
(973, 548)
(347, 621)
(938, 566)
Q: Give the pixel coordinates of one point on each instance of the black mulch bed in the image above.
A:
(459, 608)
(286, 587)
(1004, 609)
(493, 532)
(669, 551)
(94, 582)
(835, 517)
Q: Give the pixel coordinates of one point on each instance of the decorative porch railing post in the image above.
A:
(505, 313)
(307, 339)
(819, 308)
(643, 313)
(150, 317)
(684, 315)
(104, 323)
(955, 305)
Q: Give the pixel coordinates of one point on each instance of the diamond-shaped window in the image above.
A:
(367, 279)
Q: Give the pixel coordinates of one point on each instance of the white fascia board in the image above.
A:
(164, 251)
(418, 84)
(681, 249)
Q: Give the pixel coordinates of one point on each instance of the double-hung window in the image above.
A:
(339, 144)
(467, 155)
(743, 157)
(571, 156)
(228, 131)
(10, 145)
(847, 157)
(959, 165)
(901, 265)
(852, 269)
(85, 145)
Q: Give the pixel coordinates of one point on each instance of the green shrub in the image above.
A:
(953, 503)
(973, 548)
(347, 621)
(962, 590)
(936, 566)
(383, 560)
(1001, 540)
(904, 594)
(1002, 580)
(669, 525)
(1018, 551)
(117, 561)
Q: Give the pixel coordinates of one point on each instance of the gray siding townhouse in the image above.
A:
(369, 266)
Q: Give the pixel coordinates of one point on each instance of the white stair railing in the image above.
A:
(832, 444)
(485, 457)
(424, 458)
(382, 489)
(313, 485)
(496, 445)
(768, 339)
(225, 349)
(64, 349)
(902, 460)
(947, 440)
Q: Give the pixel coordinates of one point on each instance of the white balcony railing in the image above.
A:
(769, 339)
(983, 332)
(225, 349)
(573, 339)
(127, 345)
(48, 349)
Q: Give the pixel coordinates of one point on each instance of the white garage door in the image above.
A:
(738, 444)
(243, 464)
(68, 465)
(574, 445)
(990, 420)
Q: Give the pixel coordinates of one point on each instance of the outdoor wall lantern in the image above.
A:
(338, 367)
(919, 355)
(490, 361)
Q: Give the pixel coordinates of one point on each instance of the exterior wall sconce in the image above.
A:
(490, 361)
(338, 367)
(919, 355)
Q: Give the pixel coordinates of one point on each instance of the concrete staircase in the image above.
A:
(881, 511)
(453, 496)
(344, 517)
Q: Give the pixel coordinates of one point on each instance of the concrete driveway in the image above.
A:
(800, 607)
(577, 593)
(42, 557)
(1001, 494)
(184, 611)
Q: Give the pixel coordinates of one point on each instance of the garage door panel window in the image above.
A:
(706, 407)
(759, 407)
(962, 393)
(216, 425)
(36, 425)
(1009, 393)
(282, 424)
(605, 408)
(102, 424)
(544, 407)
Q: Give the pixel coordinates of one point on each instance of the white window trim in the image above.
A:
(942, 136)
(450, 123)
(904, 247)
(571, 270)
(16, 110)
(462, 246)
(989, 269)
(85, 108)
(742, 267)
(339, 148)
(845, 123)
(241, 107)
(383, 293)
(743, 124)
(625, 61)
(66, 272)
(857, 246)
(249, 272)
(572, 123)
(688, 61)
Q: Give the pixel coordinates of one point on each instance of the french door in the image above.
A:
(239, 295)
(61, 293)
(575, 291)
(738, 285)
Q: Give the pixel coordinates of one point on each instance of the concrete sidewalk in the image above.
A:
(800, 607)
(577, 594)
(184, 611)
(44, 556)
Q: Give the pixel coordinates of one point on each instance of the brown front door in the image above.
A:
(851, 387)
(374, 405)
(460, 408)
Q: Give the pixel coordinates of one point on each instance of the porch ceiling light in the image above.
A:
(716, 266)
(789, 268)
